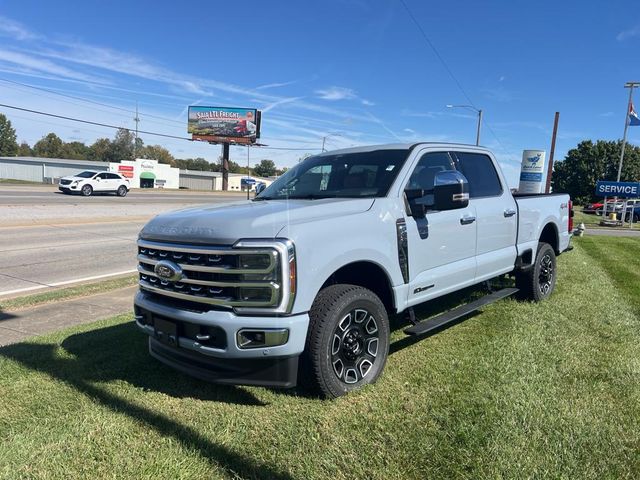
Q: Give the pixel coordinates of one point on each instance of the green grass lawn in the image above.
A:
(519, 390)
(592, 220)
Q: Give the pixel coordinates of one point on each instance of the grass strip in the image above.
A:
(520, 390)
(67, 293)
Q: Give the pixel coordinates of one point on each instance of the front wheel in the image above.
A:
(348, 340)
(537, 283)
(86, 190)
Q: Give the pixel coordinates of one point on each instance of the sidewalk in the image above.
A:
(16, 326)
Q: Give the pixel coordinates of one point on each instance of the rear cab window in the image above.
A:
(481, 174)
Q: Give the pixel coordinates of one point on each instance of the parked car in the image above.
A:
(88, 182)
(632, 211)
(308, 273)
(592, 207)
(612, 206)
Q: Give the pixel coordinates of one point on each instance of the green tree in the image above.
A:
(195, 164)
(101, 151)
(8, 144)
(157, 152)
(123, 145)
(49, 146)
(589, 162)
(266, 168)
(24, 150)
(75, 150)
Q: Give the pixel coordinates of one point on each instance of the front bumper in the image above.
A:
(221, 359)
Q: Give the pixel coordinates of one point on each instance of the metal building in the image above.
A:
(45, 170)
(198, 180)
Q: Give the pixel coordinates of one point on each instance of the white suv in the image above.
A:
(88, 182)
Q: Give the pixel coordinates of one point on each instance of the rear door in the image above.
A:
(496, 213)
(442, 246)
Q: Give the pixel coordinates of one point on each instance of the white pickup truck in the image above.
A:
(310, 270)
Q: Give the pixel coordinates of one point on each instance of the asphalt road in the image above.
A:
(48, 239)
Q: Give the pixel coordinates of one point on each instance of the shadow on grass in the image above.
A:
(119, 353)
(438, 306)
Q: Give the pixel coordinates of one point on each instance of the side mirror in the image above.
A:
(260, 188)
(450, 191)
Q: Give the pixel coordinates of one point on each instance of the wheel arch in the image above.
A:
(366, 274)
(549, 234)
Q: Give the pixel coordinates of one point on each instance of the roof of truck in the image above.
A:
(403, 146)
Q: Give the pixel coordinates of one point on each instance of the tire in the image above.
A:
(86, 190)
(347, 342)
(538, 283)
(122, 191)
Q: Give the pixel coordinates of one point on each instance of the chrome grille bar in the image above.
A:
(250, 276)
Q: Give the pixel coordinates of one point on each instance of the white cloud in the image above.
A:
(35, 64)
(275, 85)
(367, 103)
(336, 93)
(271, 106)
(630, 33)
(502, 78)
(13, 29)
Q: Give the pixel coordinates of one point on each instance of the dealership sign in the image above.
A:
(234, 124)
(618, 189)
(532, 172)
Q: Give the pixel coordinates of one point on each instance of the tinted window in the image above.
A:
(102, 176)
(424, 174)
(113, 176)
(481, 174)
(342, 175)
(86, 174)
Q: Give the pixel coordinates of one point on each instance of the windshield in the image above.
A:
(346, 175)
(86, 174)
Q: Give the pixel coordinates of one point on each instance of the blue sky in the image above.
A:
(355, 67)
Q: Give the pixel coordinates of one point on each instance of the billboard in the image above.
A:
(532, 178)
(233, 124)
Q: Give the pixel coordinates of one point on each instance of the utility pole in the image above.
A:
(478, 111)
(135, 144)
(553, 149)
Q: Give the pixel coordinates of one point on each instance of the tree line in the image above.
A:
(123, 146)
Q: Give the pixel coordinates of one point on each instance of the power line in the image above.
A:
(117, 127)
(435, 50)
(446, 67)
(88, 101)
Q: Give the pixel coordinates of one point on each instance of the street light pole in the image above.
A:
(324, 139)
(478, 111)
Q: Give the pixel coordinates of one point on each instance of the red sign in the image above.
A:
(126, 170)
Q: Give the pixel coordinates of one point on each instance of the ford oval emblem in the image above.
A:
(167, 270)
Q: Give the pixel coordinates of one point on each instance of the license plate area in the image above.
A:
(165, 331)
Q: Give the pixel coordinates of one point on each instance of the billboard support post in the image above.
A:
(225, 166)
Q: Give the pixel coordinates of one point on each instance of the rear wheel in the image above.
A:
(537, 283)
(348, 340)
(122, 191)
(86, 190)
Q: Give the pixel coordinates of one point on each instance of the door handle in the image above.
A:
(509, 212)
(466, 220)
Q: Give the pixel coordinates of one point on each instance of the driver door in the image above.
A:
(442, 246)
(100, 182)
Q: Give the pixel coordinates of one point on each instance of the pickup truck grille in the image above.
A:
(225, 276)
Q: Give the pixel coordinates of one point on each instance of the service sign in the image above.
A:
(618, 189)
(224, 122)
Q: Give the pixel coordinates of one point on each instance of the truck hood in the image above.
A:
(226, 224)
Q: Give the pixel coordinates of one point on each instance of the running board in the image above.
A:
(452, 315)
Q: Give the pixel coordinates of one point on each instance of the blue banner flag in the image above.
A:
(633, 117)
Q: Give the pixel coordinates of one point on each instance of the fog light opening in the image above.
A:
(262, 338)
